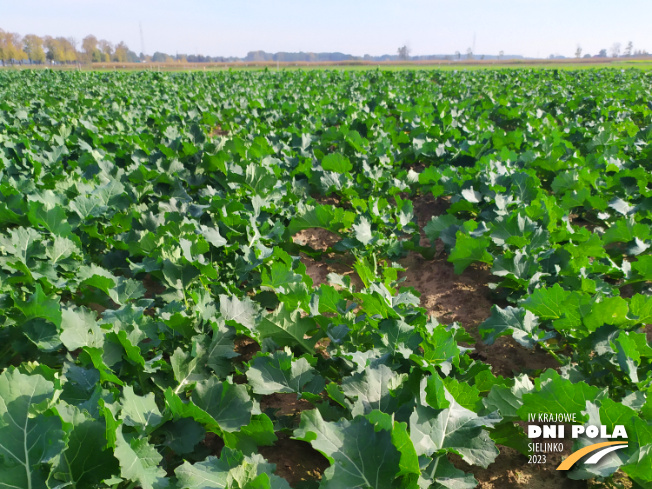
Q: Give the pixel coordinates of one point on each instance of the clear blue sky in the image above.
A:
(232, 28)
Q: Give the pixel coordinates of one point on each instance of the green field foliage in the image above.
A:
(148, 229)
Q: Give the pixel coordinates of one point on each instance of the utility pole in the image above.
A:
(142, 38)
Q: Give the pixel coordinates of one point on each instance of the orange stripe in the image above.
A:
(575, 456)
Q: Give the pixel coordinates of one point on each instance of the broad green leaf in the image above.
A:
(398, 337)
(511, 435)
(281, 372)
(106, 374)
(438, 473)
(97, 277)
(54, 220)
(29, 439)
(288, 329)
(140, 462)
(79, 329)
(468, 250)
(40, 305)
(439, 349)
(86, 461)
(231, 470)
(24, 244)
(639, 466)
(554, 394)
(508, 400)
(454, 429)
(373, 389)
(187, 370)
(611, 310)
(228, 404)
(280, 276)
(243, 312)
(359, 455)
(548, 303)
(522, 325)
(212, 235)
(126, 290)
(444, 227)
(331, 218)
(212, 473)
(183, 435)
(180, 409)
(337, 163)
(259, 432)
(221, 350)
(640, 309)
(362, 231)
(61, 249)
(140, 411)
(330, 300)
(43, 334)
(466, 395)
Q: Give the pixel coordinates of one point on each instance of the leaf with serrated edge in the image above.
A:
(360, 456)
(27, 440)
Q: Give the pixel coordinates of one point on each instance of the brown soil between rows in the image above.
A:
(283, 404)
(425, 208)
(318, 269)
(296, 461)
(512, 470)
(466, 299)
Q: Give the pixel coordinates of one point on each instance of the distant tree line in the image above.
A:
(254, 56)
(614, 52)
(33, 49)
(403, 54)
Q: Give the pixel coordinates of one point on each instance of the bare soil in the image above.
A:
(318, 269)
(464, 298)
(512, 470)
(296, 461)
(317, 238)
(283, 404)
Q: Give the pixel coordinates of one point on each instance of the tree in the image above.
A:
(629, 48)
(602, 53)
(501, 54)
(469, 53)
(11, 48)
(159, 57)
(615, 50)
(33, 47)
(60, 49)
(107, 50)
(578, 51)
(120, 52)
(70, 49)
(458, 55)
(132, 57)
(48, 42)
(90, 48)
(404, 53)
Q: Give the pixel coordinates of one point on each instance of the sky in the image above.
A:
(532, 28)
